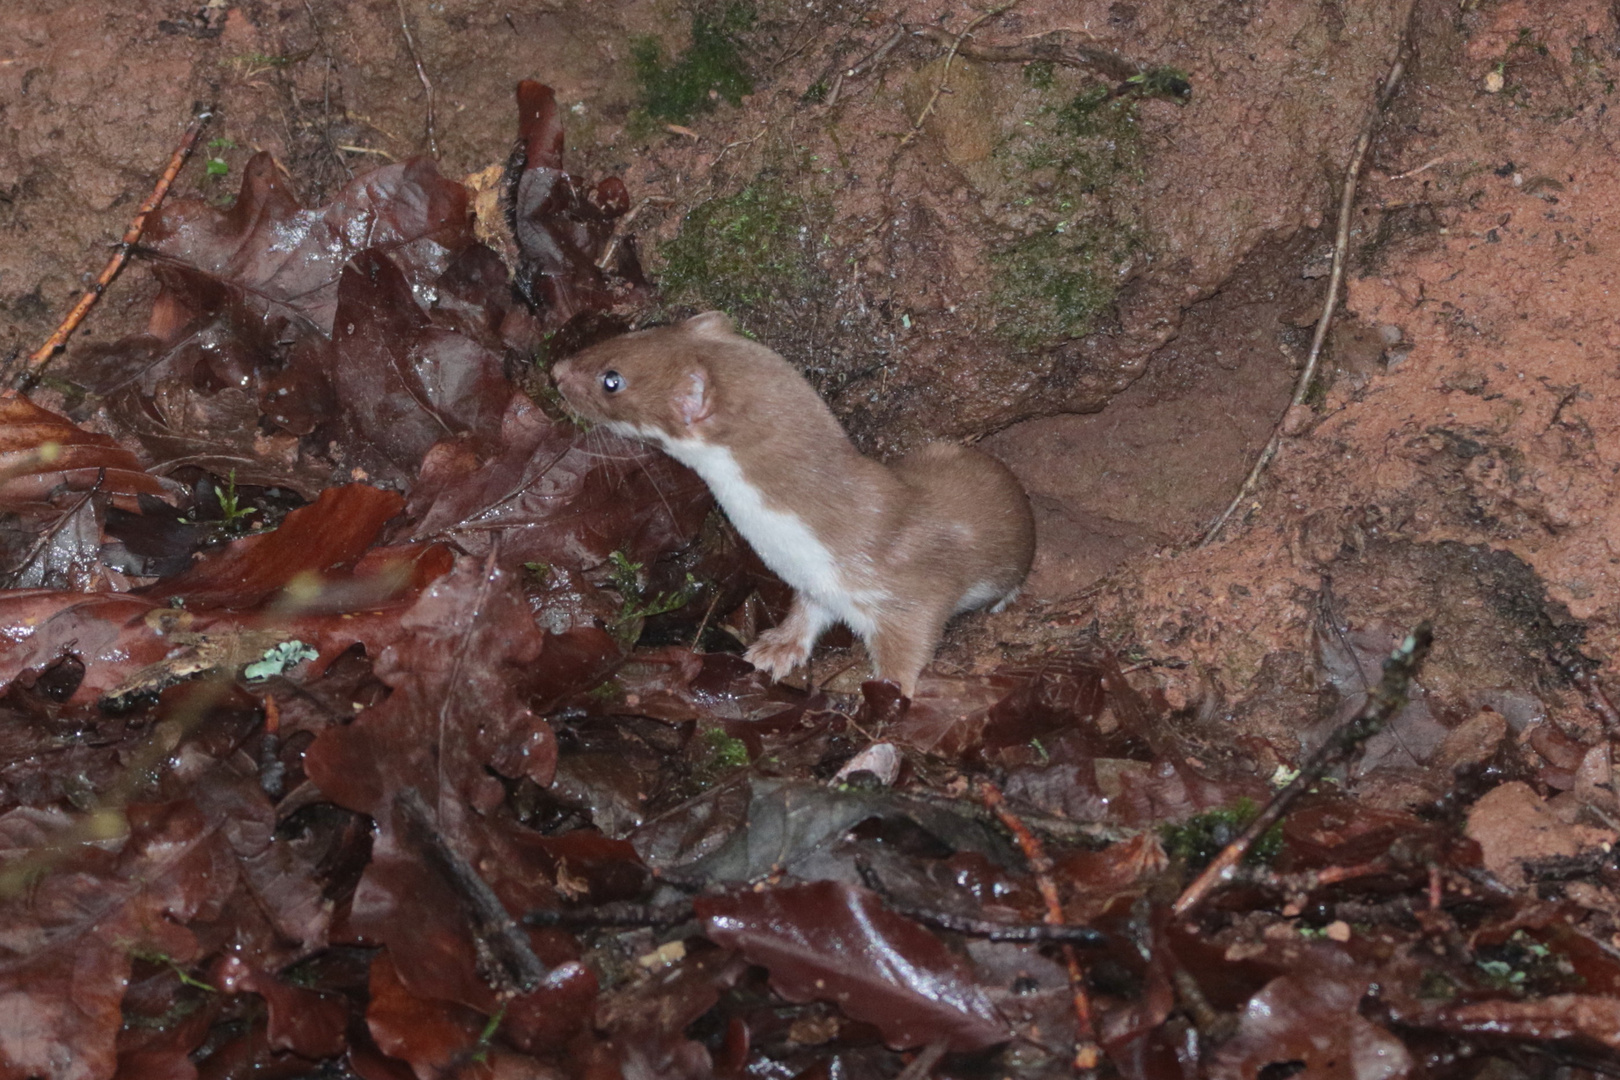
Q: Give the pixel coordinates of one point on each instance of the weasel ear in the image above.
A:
(711, 324)
(694, 398)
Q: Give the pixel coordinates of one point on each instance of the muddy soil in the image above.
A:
(1456, 461)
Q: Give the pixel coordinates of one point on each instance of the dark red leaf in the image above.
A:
(1585, 1018)
(648, 1018)
(74, 930)
(330, 534)
(116, 636)
(68, 553)
(309, 1023)
(181, 426)
(163, 1054)
(560, 233)
(543, 1021)
(404, 383)
(466, 651)
(40, 451)
(431, 1035)
(551, 496)
(285, 260)
(1308, 1021)
(830, 942)
(540, 130)
(108, 632)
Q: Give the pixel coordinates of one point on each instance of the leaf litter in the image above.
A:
(363, 716)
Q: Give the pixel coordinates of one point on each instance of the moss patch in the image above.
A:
(1068, 172)
(1049, 288)
(710, 69)
(1072, 166)
(1201, 837)
(745, 252)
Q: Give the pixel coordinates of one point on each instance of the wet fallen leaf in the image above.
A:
(41, 451)
(829, 942)
(284, 261)
(330, 534)
(1308, 1022)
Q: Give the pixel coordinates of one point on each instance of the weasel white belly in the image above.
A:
(783, 540)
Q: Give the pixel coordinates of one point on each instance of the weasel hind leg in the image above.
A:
(902, 645)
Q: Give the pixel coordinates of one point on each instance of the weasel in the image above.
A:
(891, 550)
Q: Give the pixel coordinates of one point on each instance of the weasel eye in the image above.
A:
(612, 382)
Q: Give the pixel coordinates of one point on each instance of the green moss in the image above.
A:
(1039, 74)
(748, 250)
(712, 756)
(635, 605)
(1164, 82)
(711, 68)
(1071, 166)
(1066, 175)
(1201, 837)
(723, 753)
(1049, 288)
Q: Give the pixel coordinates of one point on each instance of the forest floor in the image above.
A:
(330, 646)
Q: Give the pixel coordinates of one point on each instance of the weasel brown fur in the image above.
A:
(892, 550)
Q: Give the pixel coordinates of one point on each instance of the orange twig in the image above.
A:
(1087, 1054)
(132, 235)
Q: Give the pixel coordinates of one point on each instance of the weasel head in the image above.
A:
(648, 384)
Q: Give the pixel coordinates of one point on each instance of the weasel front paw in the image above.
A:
(778, 651)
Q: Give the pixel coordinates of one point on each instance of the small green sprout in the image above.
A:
(625, 578)
(485, 1037)
(229, 506)
(153, 956)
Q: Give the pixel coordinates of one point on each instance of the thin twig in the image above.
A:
(1341, 245)
(612, 913)
(837, 85)
(1431, 163)
(730, 146)
(949, 58)
(1087, 1054)
(58, 341)
(704, 624)
(922, 1066)
(1382, 704)
(326, 93)
(503, 949)
(1049, 50)
(871, 59)
(421, 73)
(989, 929)
(351, 149)
(1599, 701)
(622, 226)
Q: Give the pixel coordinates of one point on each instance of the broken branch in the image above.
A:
(1385, 700)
